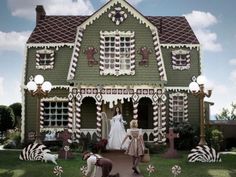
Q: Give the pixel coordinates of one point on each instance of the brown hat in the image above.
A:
(86, 154)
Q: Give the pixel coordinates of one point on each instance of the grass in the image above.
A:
(11, 166)
(226, 168)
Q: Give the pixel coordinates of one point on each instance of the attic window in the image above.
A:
(180, 59)
(117, 15)
(44, 59)
(117, 53)
(178, 105)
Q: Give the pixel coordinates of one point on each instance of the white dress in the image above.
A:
(117, 133)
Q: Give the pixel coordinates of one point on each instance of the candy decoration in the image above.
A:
(58, 170)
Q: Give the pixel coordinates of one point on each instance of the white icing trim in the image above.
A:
(158, 53)
(55, 98)
(123, 3)
(75, 55)
(23, 96)
(49, 45)
(190, 46)
(178, 89)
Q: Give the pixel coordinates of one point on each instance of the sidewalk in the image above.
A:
(121, 163)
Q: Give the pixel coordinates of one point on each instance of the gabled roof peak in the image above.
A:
(123, 3)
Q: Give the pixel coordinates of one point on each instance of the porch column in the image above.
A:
(71, 103)
(159, 117)
(99, 121)
(135, 110)
(77, 116)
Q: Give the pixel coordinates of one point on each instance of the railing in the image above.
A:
(147, 134)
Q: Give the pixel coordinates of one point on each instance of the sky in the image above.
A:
(212, 21)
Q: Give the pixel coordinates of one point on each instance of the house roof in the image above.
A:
(62, 29)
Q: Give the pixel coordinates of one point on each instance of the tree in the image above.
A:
(227, 114)
(6, 118)
(16, 107)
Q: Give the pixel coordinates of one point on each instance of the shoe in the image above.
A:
(135, 170)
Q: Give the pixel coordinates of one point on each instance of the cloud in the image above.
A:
(26, 8)
(222, 96)
(201, 22)
(232, 62)
(9, 93)
(233, 75)
(1, 87)
(13, 41)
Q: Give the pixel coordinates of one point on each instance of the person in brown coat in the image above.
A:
(136, 145)
(94, 160)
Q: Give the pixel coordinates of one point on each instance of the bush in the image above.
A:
(155, 149)
(7, 118)
(13, 139)
(187, 136)
(216, 139)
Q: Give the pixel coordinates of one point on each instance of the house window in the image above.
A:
(117, 53)
(55, 114)
(180, 59)
(44, 59)
(178, 107)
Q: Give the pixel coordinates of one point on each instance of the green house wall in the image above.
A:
(91, 37)
(181, 78)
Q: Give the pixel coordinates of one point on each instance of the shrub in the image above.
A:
(13, 139)
(7, 118)
(187, 136)
(216, 139)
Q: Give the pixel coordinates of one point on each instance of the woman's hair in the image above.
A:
(133, 124)
(115, 110)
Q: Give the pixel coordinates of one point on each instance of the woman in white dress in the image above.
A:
(117, 131)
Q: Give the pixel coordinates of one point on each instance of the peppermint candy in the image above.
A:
(58, 170)
(150, 169)
(83, 169)
(176, 170)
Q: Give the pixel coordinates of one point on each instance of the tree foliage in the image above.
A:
(227, 114)
(16, 107)
(7, 118)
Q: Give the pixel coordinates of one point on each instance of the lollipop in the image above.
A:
(176, 170)
(58, 171)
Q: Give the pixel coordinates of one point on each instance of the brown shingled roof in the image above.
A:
(62, 29)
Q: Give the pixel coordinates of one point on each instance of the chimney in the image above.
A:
(40, 13)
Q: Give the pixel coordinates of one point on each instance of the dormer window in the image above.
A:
(44, 59)
(117, 52)
(180, 59)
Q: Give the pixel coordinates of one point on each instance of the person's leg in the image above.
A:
(136, 161)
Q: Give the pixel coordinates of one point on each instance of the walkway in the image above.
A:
(121, 163)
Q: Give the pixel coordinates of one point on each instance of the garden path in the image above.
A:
(121, 163)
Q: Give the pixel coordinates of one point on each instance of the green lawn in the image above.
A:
(11, 166)
(226, 168)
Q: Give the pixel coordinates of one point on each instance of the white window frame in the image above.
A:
(117, 56)
(177, 109)
(184, 58)
(48, 61)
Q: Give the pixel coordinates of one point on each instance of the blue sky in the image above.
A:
(212, 21)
